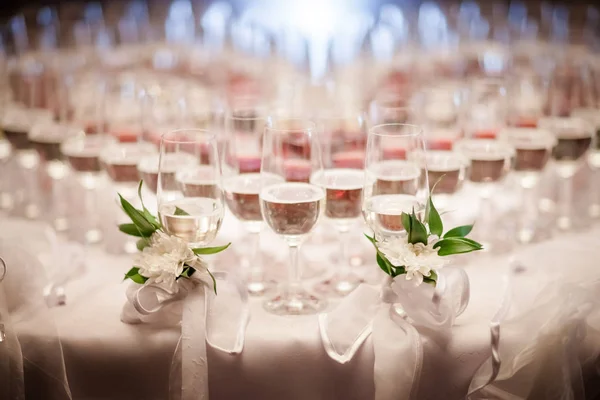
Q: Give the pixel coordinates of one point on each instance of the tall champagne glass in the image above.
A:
(532, 148)
(389, 108)
(342, 142)
(242, 182)
(485, 113)
(574, 139)
(592, 115)
(489, 162)
(393, 181)
(292, 208)
(190, 201)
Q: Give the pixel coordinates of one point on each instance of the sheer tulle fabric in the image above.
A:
(391, 317)
(543, 350)
(219, 321)
(22, 304)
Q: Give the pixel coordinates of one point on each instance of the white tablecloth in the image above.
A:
(283, 357)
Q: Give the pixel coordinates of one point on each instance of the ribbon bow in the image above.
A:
(67, 261)
(219, 320)
(391, 316)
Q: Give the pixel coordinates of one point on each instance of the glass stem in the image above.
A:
(529, 212)
(344, 262)
(594, 209)
(256, 272)
(294, 283)
(486, 211)
(565, 200)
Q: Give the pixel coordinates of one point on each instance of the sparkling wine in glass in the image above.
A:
(53, 175)
(394, 182)
(242, 182)
(83, 156)
(343, 144)
(291, 209)
(445, 170)
(489, 161)
(532, 151)
(573, 140)
(24, 162)
(193, 213)
(592, 116)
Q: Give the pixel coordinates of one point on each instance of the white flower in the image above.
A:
(417, 259)
(163, 260)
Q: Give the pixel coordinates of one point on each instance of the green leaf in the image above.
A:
(418, 232)
(130, 229)
(456, 245)
(405, 218)
(384, 264)
(459, 231)
(187, 272)
(151, 218)
(138, 218)
(210, 250)
(142, 243)
(135, 276)
(371, 239)
(179, 211)
(214, 281)
(398, 271)
(433, 219)
(431, 279)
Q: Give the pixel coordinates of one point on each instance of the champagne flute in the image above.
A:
(389, 108)
(489, 162)
(83, 156)
(190, 201)
(485, 114)
(343, 142)
(292, 208)
(574, 139)
(393, 182)
(592, 115)
(533, 148)
(242, 182)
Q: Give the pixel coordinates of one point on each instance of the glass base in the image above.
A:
(338, 285)
(300, 303)
(259, 288)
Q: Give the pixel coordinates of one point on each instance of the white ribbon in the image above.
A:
(396, 342)
(537, 354)
(219, 320)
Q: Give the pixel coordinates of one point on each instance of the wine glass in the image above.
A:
(489, 162)
(445, 171)
(83, 156)
(485, 112)
(394, 183)
(343, 142)
(526, 106)
(533, 148)
(292, 208)
(592, 116)
(190, 201)
(242, 182)
(574, 139)
(53, 182)
(389, 108)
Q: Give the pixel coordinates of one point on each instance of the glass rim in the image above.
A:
(196, 131)
(311, 125)
(416, 130)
